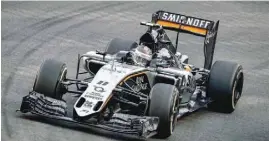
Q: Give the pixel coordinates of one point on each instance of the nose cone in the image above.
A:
(84, 107)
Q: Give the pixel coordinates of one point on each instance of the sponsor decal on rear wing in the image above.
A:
(185, 23)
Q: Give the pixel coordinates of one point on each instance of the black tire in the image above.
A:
(164, 103)
(225, 86)
(47, 80)
(118, 44)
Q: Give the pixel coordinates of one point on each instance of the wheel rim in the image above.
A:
(236, 96)
(59, 85)
(237, 90)
(173, 116)
(63, 75)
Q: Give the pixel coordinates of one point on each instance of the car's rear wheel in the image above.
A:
(225, 86)
(164, 103)
(48, 79)
(118, 44)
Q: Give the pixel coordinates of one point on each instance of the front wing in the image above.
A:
(143, 127)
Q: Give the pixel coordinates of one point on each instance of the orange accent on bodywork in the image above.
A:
(187, 68)
(104, 104)
(126, 78)
(133, 75)
(192, 29)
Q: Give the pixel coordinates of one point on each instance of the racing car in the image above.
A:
(139, 88)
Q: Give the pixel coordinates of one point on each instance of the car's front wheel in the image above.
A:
(48, 79)
(164, 103)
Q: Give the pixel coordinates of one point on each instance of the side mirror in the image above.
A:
(122, 56)
(100, 52)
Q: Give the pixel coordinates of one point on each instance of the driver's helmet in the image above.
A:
(141, 55)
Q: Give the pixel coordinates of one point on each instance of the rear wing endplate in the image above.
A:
(192, 25)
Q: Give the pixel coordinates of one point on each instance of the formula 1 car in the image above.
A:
(123, 93)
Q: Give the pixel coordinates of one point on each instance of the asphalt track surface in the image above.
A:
(35, 31)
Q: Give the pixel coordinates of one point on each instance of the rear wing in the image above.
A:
(192, 25)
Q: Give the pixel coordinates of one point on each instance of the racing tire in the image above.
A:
(164, 103)
(118, 44)
(225, 86)
(48, 79)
